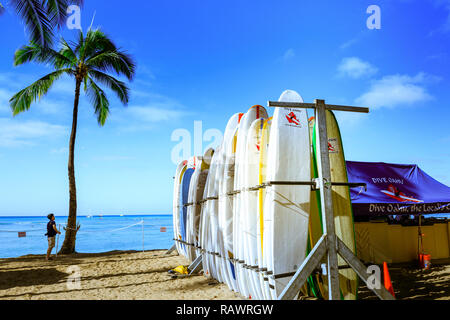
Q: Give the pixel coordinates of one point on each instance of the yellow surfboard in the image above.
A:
(265, 135)
(342, 207)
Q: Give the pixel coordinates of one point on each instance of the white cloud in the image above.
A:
(19, 133)
(113, 158)
(153, 114)
(395, 90)
(63, 150)
(288, 55)
(5, 95)
(153, 110)
(355, 68)
(348, 43)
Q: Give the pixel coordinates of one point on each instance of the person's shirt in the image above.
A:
(50, 229)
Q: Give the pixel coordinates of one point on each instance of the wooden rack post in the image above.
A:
(329, 244)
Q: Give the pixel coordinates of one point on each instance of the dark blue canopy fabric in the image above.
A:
(394, 189)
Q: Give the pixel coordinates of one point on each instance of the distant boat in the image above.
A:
(88, 216)
(121, 215)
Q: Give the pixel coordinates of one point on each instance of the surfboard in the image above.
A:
(217, 221)
(176, 203)
(242, 273)
(224, 217)
(185, 184)
(226, 200)
(196, 190)
(209, 209)
(250, 204)
(215, 243)
(343, 213)
(286, 208)
(194, 163)
(204, 218)
(315, 283)
(263, 279)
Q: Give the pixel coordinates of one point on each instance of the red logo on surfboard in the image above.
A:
(396, 194)
(330, 147)
(292, 118)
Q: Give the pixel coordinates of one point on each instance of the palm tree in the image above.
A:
(41, 17)
(87, 61)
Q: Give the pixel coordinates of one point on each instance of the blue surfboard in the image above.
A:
(184, 200)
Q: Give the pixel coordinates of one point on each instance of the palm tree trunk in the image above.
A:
(68, 246)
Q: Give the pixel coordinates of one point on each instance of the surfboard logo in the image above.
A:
(333, 145)
(292, 119)
(394, 193)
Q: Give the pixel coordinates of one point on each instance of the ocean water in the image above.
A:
(97, 234)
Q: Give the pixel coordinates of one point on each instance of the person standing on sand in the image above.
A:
(51, 233)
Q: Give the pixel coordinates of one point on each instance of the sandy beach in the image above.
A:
(131, 275)
(116, 275)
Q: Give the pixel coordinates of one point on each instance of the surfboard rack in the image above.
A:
(172, 248)
(195, 266)
(314, 184)
(329, 245)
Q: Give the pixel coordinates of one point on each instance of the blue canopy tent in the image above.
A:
(395, 189)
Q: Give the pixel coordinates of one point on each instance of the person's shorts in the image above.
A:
(51, 242)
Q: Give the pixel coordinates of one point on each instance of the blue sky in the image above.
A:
(206, 60)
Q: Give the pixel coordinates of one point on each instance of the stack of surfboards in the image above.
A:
(251, 234)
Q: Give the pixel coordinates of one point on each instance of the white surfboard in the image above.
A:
(226, 207)
(224, 220)
(208, 207)
(250, 204)
(176, 203)
(196, 191)
(286, 208)
(262, 261)
(242, 273)
(194, 163)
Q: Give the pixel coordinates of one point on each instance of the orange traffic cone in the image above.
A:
(387, 279)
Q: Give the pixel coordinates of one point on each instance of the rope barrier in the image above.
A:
(108, 231)
(12, 231)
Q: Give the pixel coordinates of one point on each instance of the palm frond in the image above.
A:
(34, 16)
(79, 44)
(22, 100)
(95, 42)
(99, 100)
(41, 54)
(68, 52)
(57, 10)
(118, 87)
